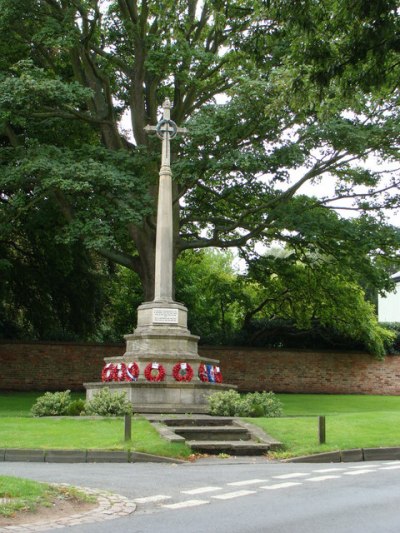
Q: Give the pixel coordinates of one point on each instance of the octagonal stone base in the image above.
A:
(162, 336)
(151, 397)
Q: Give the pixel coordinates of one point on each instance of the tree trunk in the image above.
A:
(145, 241)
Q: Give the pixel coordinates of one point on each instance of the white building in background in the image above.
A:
(389, 305)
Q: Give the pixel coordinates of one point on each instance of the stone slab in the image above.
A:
(25, 455)
(259, 434)
(352, 456)
(139, 457)
(377, 454)
(167, 433)
(328, 457)
(230, 447)
(2, 454)
(104, 456)
(65, 456)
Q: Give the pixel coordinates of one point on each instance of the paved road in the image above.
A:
(238, 496)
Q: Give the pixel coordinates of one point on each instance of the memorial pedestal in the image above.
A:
(162, 336)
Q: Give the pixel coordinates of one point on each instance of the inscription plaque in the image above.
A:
(163, 315)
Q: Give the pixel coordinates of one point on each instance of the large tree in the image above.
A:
(296, 107)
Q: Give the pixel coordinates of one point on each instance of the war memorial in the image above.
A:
(161, 371)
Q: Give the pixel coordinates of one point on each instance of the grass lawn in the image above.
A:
(20, 403)
(18, 494)
(351, 422)
(18, 429)
(83, 433)
(326, 404)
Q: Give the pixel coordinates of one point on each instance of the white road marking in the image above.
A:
(358, 472)
(290, 476)
(187, 503)
(280, 485)
(237, 494)
(201, 490)
(152, 499)
(327, 470)
(364, 466)
(321, 478)
(247, 482)
(390, 467)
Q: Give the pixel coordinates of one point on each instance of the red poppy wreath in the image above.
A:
(107, 374)
(182, 372)
(132, 372)
(154, 372)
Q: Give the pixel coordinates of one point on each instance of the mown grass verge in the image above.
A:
(351, 422)
(25, 495)
(83, 433)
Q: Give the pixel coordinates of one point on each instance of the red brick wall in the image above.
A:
(59, 366)
(52, 366)
(253, 369)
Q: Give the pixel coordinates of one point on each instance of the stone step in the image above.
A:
(229, 447)
(212, 433)
(157, 410)
(198, 421)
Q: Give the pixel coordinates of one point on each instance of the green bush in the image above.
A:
(257, 404)
(76, 407)
(223, 403)
(105, 403)
(52, 404)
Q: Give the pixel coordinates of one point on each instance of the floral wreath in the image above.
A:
(132, 372)
(120, 372)
(217, 374)
(148, 372)
(210, 374)
(107, 374)
(182, 372)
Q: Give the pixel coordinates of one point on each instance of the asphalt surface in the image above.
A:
(236, 495)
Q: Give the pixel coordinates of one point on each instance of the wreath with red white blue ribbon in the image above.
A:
(154, 372)
(210, 373)
(182, 372)
(132, 372)
(120, 372)
(107, 374)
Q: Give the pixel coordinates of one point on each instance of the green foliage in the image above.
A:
(107, 403)
(208, 284)
(231, 403)
(76, 407)
(223, 403)
(313, 294)
(52, 404)
(393, 344)
(257, 404)
(278, 98)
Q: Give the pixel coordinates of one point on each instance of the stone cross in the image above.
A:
(166, 130)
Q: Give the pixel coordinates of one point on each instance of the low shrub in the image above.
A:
(106, 403)
(257, 404)
(52, 404)
(223, 403)
(76, 407)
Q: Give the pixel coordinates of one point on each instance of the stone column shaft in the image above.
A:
(163, 285)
